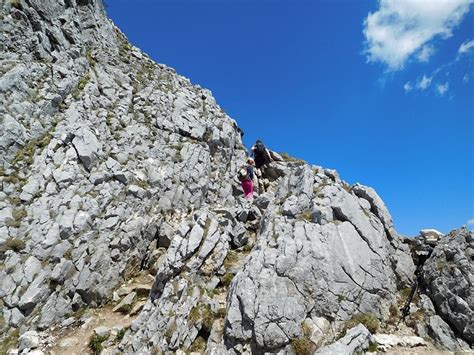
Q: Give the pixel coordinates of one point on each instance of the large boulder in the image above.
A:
(330, 258)
(448, 280)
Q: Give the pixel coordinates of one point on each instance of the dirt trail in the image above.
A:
(75, 341)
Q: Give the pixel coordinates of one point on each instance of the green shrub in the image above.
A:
(373, 348)
(120, 335)
(15, 4)
(95, 343)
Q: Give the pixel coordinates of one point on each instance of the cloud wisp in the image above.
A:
(424, 82)
(466, 47)
(400, 30)
(442, 88)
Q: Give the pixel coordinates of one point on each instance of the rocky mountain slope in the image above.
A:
(113, 166)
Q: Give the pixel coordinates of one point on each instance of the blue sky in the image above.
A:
(387, 99)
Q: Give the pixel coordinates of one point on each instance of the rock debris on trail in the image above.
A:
(119, 200)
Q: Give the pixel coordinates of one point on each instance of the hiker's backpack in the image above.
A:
(242, 174)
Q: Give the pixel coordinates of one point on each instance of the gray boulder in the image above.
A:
(356, 340)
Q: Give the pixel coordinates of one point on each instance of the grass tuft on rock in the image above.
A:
(366, 319)
(95, 343)
(227, 279)
(288, 158)
(27, 153)
(231, 259)
(120, 335)
(198, 346)
(16, 245)
(302, 346)
(9, 342)
(202, 313)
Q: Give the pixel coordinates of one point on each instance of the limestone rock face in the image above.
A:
(448, 278)
(329, 258)
(99, 148)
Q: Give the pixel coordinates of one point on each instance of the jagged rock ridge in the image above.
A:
(112, 164)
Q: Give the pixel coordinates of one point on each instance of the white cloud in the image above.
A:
(470, 222)
(442, 88)
(425, 53)
(466, 47)
(424, 82)
(466, 78)
(408, 87)
(400, 29)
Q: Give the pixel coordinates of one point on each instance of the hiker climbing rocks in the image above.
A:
(261, 155)
(246, 176)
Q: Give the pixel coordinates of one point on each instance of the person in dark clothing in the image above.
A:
(261, 154)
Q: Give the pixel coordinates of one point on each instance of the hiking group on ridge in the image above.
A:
(254, 170)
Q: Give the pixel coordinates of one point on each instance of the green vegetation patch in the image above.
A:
(227, 279)
(16, 245)
(305, 216)
(198, 346)
(367, 319)
(10, 342)
(95, 343)
(78, 314)
(170, 330)
(18, 215)
(16, 4)
(405, 293)
(27, 153)
(302, 346)
(120, 335)
(373, 348)
(288, 158)
(202, 313)
(231, 259)
(76, 93)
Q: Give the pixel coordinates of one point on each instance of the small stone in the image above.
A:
(125, 305)
(28, 340)
(67, 322)
(102, 331)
